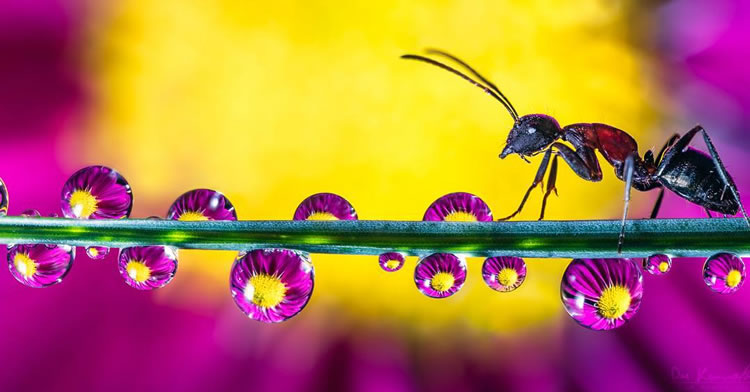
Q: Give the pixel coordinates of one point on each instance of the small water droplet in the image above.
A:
(97, 252)
(504, 273)
(3, 198)
(391, 261)
(202, 205)
(602, 294)
(148, 267)
(724, 272)
(325, 206)
(657, 264)
(458, 207)
(440, 275)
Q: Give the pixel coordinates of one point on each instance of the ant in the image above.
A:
(691, 174)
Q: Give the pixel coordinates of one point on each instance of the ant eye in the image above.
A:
(531, 130)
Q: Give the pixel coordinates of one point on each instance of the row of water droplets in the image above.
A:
(273, 285)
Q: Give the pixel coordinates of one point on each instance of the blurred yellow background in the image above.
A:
(270, 102)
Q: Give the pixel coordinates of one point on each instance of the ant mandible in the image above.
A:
(691, 174)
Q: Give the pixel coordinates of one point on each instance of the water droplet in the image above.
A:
(325, 206)
(97, 252)
(440, 275)
(504, 273)
(602, 294)
(31, 213)
(724, 273)
(202, 205)
(40, 265)
(657, 264)
(96, 192)
(458, 207)
(148, 267)
(272, 285)
(3, 198)
(391, 261)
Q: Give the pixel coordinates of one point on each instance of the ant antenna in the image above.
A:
(468, 79)
(475, 72)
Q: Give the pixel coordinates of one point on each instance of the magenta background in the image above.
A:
(95, 333)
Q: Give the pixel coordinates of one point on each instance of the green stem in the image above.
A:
(565, 239)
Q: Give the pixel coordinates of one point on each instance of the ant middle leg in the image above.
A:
(551, 180)
(670, 142)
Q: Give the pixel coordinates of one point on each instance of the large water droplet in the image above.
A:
(724, 273)
(96, 192)
(440, 275)
(40, 265)
(602, 294)
(148, 267)
(271, 285)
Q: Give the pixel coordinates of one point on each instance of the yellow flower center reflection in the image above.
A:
(25, 265)
(265, 291)
(392, 264)
(614, 302)
(442, 281)
(190, 216)
(734, 278)
(507, 277)
(460, 216)
(138, 271)
(83, 203)
(322, 216)
(663, 266)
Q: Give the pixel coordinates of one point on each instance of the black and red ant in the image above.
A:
(691, 174)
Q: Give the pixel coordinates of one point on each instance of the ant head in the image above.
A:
(531, 134)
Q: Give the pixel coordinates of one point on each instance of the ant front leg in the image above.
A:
(628, 176)
(550, 185)
(537, 180)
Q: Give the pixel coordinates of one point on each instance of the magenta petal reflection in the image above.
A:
(40, 265)
(96, 192)
(458, 207)
(657, 264)
(504, 273)
(202, 205)
(271, 285)
(440, 275)
(602, 294)
(724, 273)
(148, 267)
(391, 261)
(325, 206)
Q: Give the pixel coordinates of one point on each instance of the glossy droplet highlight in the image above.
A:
(325, 206)
(458, 207)
(602, 294)
(202, 205)
(504, 273)
(724, 273)
(40, 265)
(96, 192)
(3, 198)
(391, 261)
(657, 264)
(148, 267)
(271, 285)
(440, 275)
